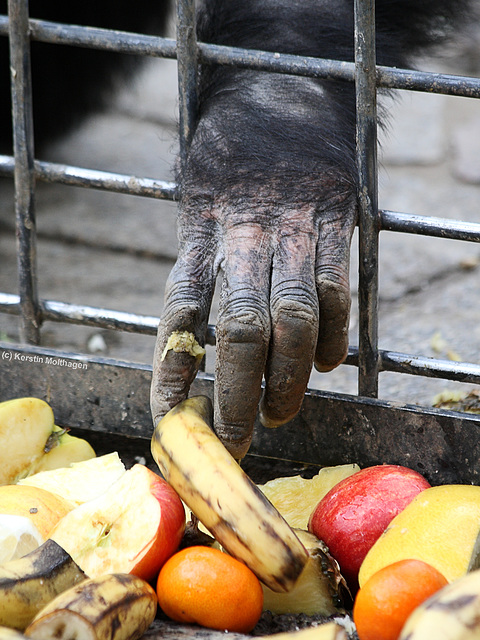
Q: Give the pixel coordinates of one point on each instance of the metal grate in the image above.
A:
(189, 53)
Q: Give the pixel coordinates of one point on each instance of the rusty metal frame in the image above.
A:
(127, 383)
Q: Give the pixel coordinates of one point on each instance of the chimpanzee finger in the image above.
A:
(182, 328)
(294, 309)
(242, 331)
(333, 288)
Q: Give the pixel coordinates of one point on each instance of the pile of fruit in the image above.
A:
(90, 550)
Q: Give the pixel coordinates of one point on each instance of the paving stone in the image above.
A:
(414, 134)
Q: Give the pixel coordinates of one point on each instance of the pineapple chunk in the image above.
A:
(297, 497)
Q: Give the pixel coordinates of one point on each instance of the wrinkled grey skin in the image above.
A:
(268, 203)
(279, 236)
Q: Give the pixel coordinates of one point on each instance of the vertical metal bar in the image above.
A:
(366, 104)
(187, 73)
(24, 177)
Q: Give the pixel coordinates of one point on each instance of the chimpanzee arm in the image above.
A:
(268, 203)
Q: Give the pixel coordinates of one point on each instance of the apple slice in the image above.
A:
(134, 527)
(81, 481)
(26, 425)
(63, 449)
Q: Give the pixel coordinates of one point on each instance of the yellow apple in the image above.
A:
(43, 508)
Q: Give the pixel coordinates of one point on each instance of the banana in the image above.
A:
(453, 613)
(220, 494)
(117, 606)
(27, 584)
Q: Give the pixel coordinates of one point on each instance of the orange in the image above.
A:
(205, 586)
(389, 596)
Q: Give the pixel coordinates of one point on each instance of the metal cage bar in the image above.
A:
(368, 227)
(24, 176)
(189, 54)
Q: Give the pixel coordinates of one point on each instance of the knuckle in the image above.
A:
(297, 312)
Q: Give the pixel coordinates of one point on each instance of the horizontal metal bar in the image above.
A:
(276, 62)
(423, 366)
(55, 311)
(160, 189)
(97, 38)
(429, 226)
(103, 395)
(428, 81)
(429, 367)
(131, 43)
(85, 315)
(94, 179)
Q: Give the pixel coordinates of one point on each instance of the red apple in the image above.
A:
(355, 512)
(134, 527)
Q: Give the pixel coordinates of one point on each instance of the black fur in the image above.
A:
(70, 82)
(276, 125)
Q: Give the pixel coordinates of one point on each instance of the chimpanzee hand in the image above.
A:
(284, 305)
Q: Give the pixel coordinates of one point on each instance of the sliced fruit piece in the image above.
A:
(440, 526)
(62, 450)
(320, 589)
(131, 528)
(296, 497)
(43, 508)
(18, 536)
(25, 427)
(81, 481)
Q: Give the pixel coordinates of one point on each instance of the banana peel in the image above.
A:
(453, 613)
(29, 583)
(117, 606)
